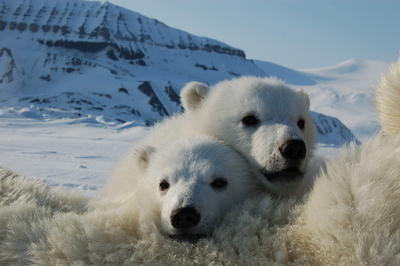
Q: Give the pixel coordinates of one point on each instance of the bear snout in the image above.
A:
(185, 218)
(293, 149)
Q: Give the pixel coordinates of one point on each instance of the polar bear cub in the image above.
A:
(191, 183)
(268, 122)
(265, 120)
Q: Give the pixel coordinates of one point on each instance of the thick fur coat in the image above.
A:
(27, 208)
(388, 99)
(350, 217)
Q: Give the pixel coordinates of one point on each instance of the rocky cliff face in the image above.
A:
(332, 132)
(7, 66)
(92, 26)
(102, 63)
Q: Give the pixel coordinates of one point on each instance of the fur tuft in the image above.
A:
(15, 189)
(351, 214)
(27, 208)
(388, 100)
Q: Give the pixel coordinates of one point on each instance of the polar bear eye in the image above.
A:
(250, 120)
(219, 183)
(301, 123)
(164, 185)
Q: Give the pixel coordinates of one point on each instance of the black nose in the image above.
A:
(185, 218)
(293, 149)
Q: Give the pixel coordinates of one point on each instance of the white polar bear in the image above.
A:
(350, 217)
(265, 120)
(191, 183)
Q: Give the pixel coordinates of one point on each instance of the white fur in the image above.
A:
(190, 166)
(26, 207)
(352, 213)
(128, 172)
(388, 100)
(15, 189)
(350, 217)
(217, 111)
(277, 106)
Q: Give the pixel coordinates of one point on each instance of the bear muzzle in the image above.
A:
(185, 218)
(293, 150)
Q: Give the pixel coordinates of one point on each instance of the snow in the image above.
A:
(67, 116)
(345, 91)
(62, 152)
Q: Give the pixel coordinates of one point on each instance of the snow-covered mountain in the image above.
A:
(79, 58)
(98, 62)
(347, 91)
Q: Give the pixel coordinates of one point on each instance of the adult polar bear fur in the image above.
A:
(15, 189)
(352, 213)
(262, 118)
(388, 100)
(26, 206)
(351, 217)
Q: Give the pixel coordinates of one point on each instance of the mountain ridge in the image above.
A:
(101, 24)
(100, 63)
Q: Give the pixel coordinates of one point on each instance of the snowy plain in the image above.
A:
(63, 152)
(81, 154)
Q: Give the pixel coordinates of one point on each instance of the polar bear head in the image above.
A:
(194, 182)
(265, 120)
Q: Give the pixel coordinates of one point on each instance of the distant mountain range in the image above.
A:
(100, 63)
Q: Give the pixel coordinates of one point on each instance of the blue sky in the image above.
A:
(295, 33)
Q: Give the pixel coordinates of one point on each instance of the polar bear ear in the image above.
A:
(306, 98)
(193, 94)
(143, 155)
